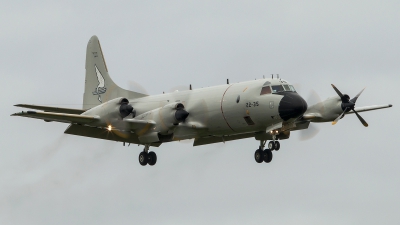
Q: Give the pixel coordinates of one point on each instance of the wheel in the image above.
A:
(259, 156)
(277, 145)
(267, 155)
(271, 145)
(152, 158)
(143, 158)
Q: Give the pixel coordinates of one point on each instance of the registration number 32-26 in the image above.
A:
(252, 104)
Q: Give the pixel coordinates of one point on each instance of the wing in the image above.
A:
(58, 117)
(369, 108)
(137, 126)
(95, 132)
(52, 109)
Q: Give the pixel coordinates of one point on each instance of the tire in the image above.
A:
(259, 156)
(152, 158)
(277, 145)
(143, 158)
(267, 156)
(271, 145)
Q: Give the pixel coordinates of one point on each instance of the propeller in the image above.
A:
(181, 114)
(189, 109)
(347, 105)
(309, 133)
(125, 110)
(313, 99)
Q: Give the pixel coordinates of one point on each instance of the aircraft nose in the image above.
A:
(292, 105)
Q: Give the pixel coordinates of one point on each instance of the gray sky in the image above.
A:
(347, 174)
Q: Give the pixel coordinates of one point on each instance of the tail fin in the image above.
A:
(99, 87)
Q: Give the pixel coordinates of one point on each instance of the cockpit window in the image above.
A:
(292, 88)
(277, 88)
(286, 87)
(265, 90)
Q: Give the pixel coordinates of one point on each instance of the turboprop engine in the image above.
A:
(166, 117)
(333, 109)
(113, 110)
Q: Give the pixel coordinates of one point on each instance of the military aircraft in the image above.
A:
(264, 109)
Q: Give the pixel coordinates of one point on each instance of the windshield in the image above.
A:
(266, 89)
(277, 88)
(281, 88)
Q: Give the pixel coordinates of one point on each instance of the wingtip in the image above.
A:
(390, 105)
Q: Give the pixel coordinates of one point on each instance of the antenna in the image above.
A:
(277, 76)
(227, 81)
(272, 76)
(190, 87)
(263, 76)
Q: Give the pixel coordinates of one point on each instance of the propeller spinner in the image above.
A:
(125, 110)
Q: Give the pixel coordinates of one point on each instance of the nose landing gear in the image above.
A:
(266, 155)
(147, 157)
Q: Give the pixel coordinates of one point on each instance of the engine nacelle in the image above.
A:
(113, 110)
(325, 111)
(166, 117)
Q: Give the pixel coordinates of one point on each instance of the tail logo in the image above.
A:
(100, 89)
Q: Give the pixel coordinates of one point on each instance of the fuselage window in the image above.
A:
(265, 90)
(277, 88)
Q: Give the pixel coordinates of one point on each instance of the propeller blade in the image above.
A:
(314, 101)
(353, 100)
(337, 91)
(339, 117)
(309, 133)
(134, 86)
(361, 119)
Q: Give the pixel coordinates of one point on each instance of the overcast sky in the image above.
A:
(346, 174)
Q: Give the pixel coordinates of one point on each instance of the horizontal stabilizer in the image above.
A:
(370, 108)
(52, 109)
(59, 117)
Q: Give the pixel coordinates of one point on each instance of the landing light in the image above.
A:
(274, 132)
(109, 128)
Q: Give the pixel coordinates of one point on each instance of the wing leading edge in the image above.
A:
(370, 108)
(58, 117)
(52, 109)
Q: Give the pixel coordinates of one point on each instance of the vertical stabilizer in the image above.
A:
(99, 87)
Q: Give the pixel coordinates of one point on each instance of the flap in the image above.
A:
(114, 135)
(216, 139)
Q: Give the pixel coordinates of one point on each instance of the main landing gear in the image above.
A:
(266, 155)
(147, 157)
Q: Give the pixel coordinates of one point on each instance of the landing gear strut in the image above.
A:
(147, 157)
(266, 155)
